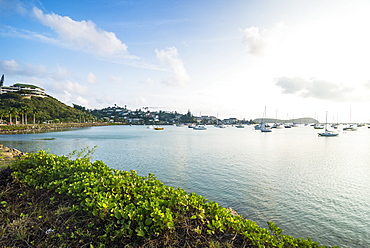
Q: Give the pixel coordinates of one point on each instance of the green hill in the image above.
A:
(295, 120)
(16, 108)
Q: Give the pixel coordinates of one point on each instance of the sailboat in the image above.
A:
(265, 128)
(350, 127)
(277, 125)
(328, 133)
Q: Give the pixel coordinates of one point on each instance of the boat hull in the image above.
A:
(327, 134)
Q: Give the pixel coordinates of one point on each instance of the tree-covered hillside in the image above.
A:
(16, 108)
(296, 120)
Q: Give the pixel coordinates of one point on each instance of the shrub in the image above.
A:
(138, 206)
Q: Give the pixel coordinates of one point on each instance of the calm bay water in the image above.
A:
(310, 186)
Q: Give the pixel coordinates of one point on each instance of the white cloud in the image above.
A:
(82, 35)
(292, 85)
(253, 40)
(318, 89)
(13, 68)
(81, 101)
(35, 70)
(60, 72)
(91, 78)
(66, 97)
(116, 80)
(104, 101)
(70, 98)
(74, 87)
(261, 42)
(13, 5)
(9, 66)
(367, 84)
(54, 80)
(170, 57)
(31, 71)
(149, 81)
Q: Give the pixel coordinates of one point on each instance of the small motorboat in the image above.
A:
(158, 128)
(199, 127)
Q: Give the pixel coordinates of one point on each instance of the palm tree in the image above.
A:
(16, 112)
(2, 113)
(22, 110)
(25, 110)
(34, 111)
(12, 111)
(10, 116)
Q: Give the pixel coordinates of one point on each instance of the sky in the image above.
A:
(223, 58)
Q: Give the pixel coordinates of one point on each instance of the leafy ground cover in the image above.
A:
(55, 201)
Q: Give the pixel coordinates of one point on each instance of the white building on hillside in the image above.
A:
(26, 89)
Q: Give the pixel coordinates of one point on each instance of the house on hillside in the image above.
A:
(24, 89)
(231, 121)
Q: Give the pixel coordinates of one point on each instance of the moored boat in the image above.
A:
(277, 126)
(351, 127)
(328, 133)
(318, 126)
(265, 129)
(199, 127)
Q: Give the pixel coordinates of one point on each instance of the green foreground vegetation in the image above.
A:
(57, 201)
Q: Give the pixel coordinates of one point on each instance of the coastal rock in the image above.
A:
(232, 211)
(16, 153)
(8, 154)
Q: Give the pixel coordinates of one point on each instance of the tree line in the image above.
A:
(16, 108)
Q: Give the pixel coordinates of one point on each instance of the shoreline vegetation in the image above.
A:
(67, 201)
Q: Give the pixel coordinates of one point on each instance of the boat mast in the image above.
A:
(276, 116)
(264, 115)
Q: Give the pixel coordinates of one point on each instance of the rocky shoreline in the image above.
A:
(30, 128)
(7, 155)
